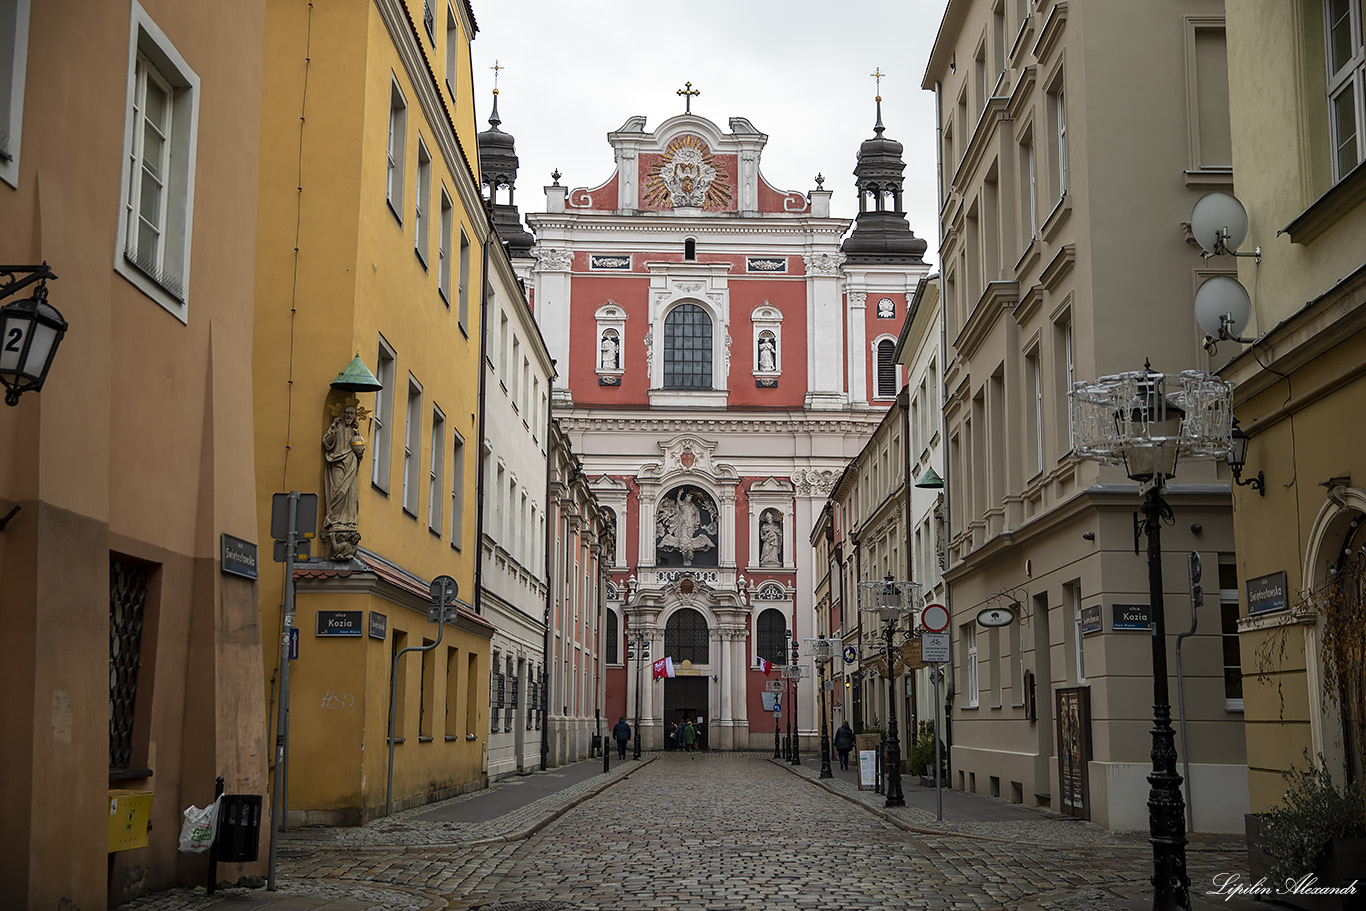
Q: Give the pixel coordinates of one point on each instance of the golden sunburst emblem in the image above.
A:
(688, 175)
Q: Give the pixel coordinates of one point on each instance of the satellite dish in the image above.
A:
(1222, 307)
(1219, 223)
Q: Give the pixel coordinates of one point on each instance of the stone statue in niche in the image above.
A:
(682, 529)
(767, 353)
(771, 539)
(343, 448)
(610, 352)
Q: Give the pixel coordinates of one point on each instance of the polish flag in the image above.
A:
(664, 667)
(766, 666)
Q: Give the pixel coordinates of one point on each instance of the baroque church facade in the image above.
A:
(722, 349)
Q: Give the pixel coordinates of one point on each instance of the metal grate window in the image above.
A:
(687, 348)
(128, 584)
(772, 638)
(612, 636)
(685, 637)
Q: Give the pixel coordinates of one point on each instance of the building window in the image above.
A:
(1029, 219)
(771, 637)
(457, 491)
(464, 288)
(1346, 82)
(1073, 595)
(613, 653)
(412, 454)
(429, 21)
(685, 637)
(157, 189)
(687, 348)
(1034, 409)
(1057, 116)
(452, 720)
(1228, 621)
(452, 51)
(424, 192)
(398, 125)
(443, 249)
(14, 16)
(128, 588)
(690, 249)
(886, 387)
(383, 417)
(426, 691)
(400, 686)
(970, 642)
(436, 471)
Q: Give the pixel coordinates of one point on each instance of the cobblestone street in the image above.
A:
(719, 831)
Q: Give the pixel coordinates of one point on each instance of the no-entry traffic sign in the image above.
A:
(935, 618)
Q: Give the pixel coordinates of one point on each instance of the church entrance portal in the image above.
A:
(685, 699)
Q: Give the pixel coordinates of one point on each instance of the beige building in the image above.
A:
(1296, 84)
(132, 648)
(1075, 138)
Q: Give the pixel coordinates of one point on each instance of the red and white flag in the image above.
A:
(664, 667)
(766, 666)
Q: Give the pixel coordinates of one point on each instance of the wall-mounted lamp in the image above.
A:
(1237, 458)
(1088, 535)
(356, 377)
(930, 480)
(30, 331)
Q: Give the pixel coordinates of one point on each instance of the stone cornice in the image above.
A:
(638, 224)
(999, 296)
(787, 424)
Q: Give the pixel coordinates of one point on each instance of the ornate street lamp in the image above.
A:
(1144, 420)
(796, 730)
(891, 600)
(821, 652)
(30, 331)
(640, 647)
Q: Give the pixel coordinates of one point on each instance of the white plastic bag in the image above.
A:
(196, 835)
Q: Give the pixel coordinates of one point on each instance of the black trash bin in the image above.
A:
(239, 828)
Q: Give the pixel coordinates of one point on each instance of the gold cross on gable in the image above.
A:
(687, 92)
(495, 69)
(878, 74)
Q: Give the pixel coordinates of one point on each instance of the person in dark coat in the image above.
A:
(621, 731)
(844, 742)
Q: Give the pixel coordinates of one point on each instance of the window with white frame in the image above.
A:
(1029, 219)
(1034, 411)
(423, 201)
(1346, 63)
(436, 470)
(443, 248)
(885, 378)
(457, 490)
(452, 50)
(1073, 594)
(464, 288)
(398, 126)
(1057, 137)
(14, 16)
(513, 372)
(412, 454)
(970, 663)
(157, 189)
(383, 417)
(429, 20)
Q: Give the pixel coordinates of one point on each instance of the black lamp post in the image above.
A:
(796, 730)
(777, 745)
(639, 644)
(892, 611)
(30, 331)
(821, 650)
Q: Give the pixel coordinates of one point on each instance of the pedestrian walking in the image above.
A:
(622, 732)
(844, 742)
(689, 737)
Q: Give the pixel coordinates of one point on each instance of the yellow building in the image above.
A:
(1297, 77)
(132, 651)
(371, 245)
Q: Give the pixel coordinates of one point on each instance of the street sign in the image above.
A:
(305, 518)
(339, 623)
(935, 618)
(443, 589)
(850, 654)
(774, 686)
(995, 616)
(1131, 616)
(293, 643)
(934, 648)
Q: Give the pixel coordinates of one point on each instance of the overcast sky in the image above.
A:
(799, 70)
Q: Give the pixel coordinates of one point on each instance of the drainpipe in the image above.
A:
(551, 454)
(943, 379)
(903, 401)
(480, 476)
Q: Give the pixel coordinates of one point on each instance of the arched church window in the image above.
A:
(685, 637)
(687, 348)
(771, 637)
(690, 249)
(612, 635)
(686, 526)
(886, 369)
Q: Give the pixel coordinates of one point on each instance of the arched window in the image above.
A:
(690, 249)
(612, 636)
(886, 369)
(687, 348)
(771, 637)
(685, 637)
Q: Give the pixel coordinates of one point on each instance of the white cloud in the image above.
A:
(798, 70)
